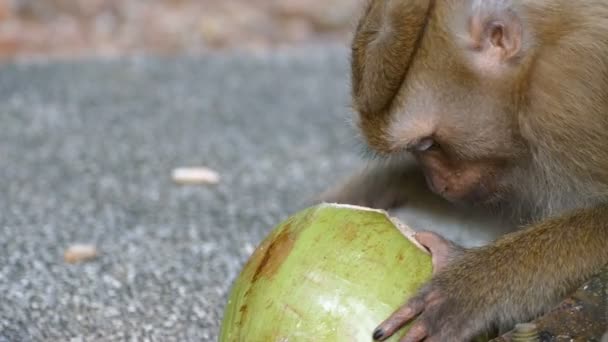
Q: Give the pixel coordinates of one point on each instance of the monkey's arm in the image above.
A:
(519, 276)
(382, 185)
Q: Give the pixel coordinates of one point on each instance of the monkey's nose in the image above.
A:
(421, 145)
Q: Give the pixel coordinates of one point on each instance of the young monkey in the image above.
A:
(502, 103)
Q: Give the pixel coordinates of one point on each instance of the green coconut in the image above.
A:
(329, 273)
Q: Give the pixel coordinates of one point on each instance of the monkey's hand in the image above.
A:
(512, 280)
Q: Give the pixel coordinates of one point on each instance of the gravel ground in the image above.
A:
(87, 150)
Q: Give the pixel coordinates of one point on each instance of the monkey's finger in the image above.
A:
(398, 319)
(417, 333)
(440, 247)
(433, 241)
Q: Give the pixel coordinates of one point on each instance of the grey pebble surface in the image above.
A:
(86, 152)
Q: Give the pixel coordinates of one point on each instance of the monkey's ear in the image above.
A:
(496, 34)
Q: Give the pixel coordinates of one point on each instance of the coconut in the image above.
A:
(329, 273)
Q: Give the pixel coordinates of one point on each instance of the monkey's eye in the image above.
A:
(422, 145)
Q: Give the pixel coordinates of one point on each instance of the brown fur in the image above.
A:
(525, 128)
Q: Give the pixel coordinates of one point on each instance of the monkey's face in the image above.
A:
(419, 88)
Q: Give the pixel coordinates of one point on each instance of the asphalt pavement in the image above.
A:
(86, 154)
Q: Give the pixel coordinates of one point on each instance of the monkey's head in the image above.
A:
(440, 79)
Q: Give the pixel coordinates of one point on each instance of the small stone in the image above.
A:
(195, 176)
(80, 253)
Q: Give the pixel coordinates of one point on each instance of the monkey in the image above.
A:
(499, 104)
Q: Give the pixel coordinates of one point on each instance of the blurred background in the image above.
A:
(80, 28)
(89, 146)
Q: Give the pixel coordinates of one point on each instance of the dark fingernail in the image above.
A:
(378, 334)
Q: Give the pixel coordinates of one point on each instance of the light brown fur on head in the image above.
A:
(517, 114)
